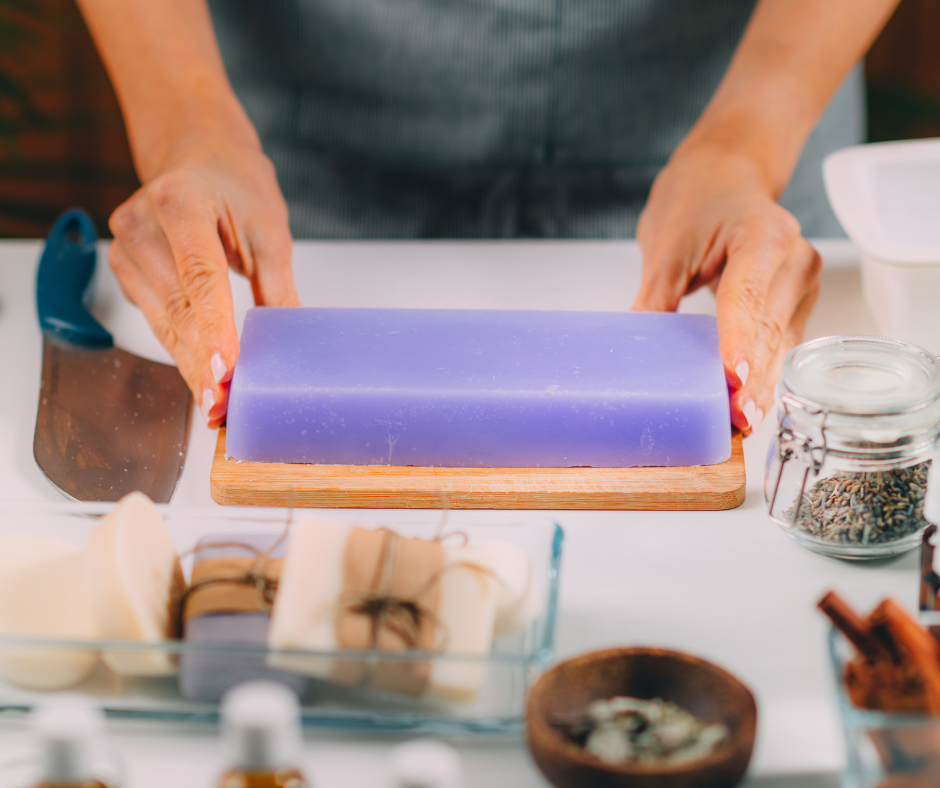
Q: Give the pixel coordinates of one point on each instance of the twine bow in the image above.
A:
(395, 587)
(403, 616)
(262, 574)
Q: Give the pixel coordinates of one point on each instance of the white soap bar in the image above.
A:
(520, 594)
(134, 582)
(310, 585)
(467, 612)
(42, 595)
(308, 593)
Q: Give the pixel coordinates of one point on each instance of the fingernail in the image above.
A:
(218, 367)
(209, 399)
(758, 418)
(741, 371)
(749, 409)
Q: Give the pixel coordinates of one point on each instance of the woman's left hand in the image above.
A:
(710, 220)
(712, 216)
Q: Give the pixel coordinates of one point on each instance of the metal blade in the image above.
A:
(110, 422)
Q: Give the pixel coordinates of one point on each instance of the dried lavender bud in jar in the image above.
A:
(865, 508)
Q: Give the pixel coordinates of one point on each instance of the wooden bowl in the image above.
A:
(705, 690)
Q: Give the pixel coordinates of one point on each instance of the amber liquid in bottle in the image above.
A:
(261, 727)
(282, 778)
(89, 784)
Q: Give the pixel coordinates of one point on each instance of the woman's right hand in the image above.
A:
(209, 199)
(213, 204)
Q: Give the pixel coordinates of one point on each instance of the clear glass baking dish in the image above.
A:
(883, 749)
(507, 672)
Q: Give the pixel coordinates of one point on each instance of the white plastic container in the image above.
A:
(887, 197)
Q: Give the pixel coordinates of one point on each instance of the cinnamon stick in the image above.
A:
(853, 626)
(919, 645)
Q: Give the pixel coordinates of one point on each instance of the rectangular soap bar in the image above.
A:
(206, 674)
(482, 388)
(311, 593)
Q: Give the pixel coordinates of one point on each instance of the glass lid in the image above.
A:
(863, 376)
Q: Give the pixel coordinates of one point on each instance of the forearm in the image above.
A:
(793, 56)
(165, 66)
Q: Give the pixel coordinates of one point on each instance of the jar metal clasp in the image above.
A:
(805, 450)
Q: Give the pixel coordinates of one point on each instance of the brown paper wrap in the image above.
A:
(389, 602)
(232, 585)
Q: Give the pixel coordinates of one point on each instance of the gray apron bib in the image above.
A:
(488, 118)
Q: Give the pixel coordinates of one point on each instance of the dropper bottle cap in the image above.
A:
(261, 725)
(69, 728)
(932, 493)
(426, 763)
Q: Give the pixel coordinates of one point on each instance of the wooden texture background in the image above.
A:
(68, 146)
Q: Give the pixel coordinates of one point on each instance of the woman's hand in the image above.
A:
(210, 199)
(710, 220)
(212, 204)
(712, 216)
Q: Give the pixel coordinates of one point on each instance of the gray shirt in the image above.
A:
(490, 118)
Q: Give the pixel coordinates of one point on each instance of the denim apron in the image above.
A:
(489, 118)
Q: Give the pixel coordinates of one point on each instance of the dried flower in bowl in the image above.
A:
(646, 732)
(633, 687)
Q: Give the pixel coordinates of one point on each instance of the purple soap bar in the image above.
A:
(478, 388)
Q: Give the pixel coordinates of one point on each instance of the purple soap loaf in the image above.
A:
(478, 388)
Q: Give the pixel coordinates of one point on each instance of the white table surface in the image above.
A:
(728, 586)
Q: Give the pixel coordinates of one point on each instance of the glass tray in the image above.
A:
(881, 746)
(507, 672)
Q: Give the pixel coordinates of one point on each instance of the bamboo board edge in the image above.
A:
(705, 487)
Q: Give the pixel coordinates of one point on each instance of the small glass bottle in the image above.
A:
(929, 591)
(69, 734)
(262, 732)
(425, 763)
(859, 423)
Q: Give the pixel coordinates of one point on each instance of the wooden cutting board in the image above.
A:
(712, 487)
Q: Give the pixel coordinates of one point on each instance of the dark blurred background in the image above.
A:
(62, 138)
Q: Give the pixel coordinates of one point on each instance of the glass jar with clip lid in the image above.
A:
(859, 424)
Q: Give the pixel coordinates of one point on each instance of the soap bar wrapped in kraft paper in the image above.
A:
(233, 584)
(346, 588)
(478, 388)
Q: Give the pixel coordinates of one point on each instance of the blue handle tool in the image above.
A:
(63, 282)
